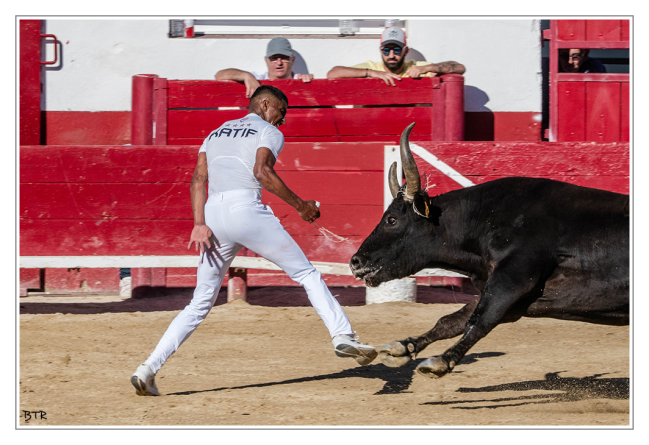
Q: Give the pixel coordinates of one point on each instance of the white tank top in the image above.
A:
(231, 151)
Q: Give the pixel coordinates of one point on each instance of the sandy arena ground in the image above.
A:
(269, 362)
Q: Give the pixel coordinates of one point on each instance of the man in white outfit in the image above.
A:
(238, 159)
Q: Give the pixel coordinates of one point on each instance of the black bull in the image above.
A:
(532, 247)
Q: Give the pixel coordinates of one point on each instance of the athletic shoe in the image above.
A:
(348, 346)
(144, 381)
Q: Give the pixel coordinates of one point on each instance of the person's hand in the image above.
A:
(309, 212)
(200, 237)
(251, 85)
(388, 78)
(416, 71)
(306, 78)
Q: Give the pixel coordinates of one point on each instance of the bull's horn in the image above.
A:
(393, 181)
(413, 183)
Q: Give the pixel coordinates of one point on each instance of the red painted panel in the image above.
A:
(152, 237)
(625, 109)
(107, 164)
(82, 280)
(602, 111)
(571, 29)
(98, 202)
(317, 93)
(30, 82)
(603, 166)
(624, 30)
(603, 30)
(382, 123)
(88, 128)
(149, 164)
(73, 127)
(572, 114)
(533, 159)
(29, 279)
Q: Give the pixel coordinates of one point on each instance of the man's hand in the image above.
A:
(251, 85)
(388, 78)
(306, 78)
(309, 212)
(416, 71)
(200, 237)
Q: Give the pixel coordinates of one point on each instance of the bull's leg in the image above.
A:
(511, 280)
(400, 352)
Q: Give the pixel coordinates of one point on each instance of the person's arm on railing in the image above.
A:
(436, 68)
(339, 72)
(240, 76)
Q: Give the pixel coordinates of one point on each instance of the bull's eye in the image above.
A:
(391, 220)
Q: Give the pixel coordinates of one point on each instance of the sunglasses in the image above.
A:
(386, 51)
(278, 56)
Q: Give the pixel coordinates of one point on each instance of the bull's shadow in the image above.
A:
(397, 380)
(573, 389)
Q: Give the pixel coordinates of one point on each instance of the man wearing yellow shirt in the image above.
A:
(393, 65)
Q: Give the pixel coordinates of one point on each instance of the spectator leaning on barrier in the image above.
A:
(577, 61)
(394, 66)
(279, 61)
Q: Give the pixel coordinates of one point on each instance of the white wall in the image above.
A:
(99, 57)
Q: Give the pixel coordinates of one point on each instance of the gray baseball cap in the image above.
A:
(279, 45)
(394, 35)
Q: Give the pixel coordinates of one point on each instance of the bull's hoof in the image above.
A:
(396, 354)
(434, 367)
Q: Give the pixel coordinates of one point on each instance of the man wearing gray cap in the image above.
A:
(279, 61)
(394, 66)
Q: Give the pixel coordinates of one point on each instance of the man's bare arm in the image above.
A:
(241, 76)
(339, 72)
(446, 68)
(200, 233)
(270, 180)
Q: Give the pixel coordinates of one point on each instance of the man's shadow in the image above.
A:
(572, 389)
(397, 380)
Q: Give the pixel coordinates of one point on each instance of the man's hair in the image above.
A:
(268, 89)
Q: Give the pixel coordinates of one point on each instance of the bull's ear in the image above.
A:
(423, 206)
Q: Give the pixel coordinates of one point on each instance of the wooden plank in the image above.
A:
(571, 30)
(571, 111)
(532, 159)
(391, 139)
(625, 110)
(152, 237)
(107, 164)
(101, 202)
(625, 30)
(105, 202)
(602, 112)
(384, 123)
(172, 164)
(317, 93)
(603, 30)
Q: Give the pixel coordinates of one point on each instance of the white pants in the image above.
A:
(238, 219)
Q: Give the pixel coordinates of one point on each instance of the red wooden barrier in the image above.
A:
(134, 200)
(187, 110)
(30, 82)
(588, 107)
